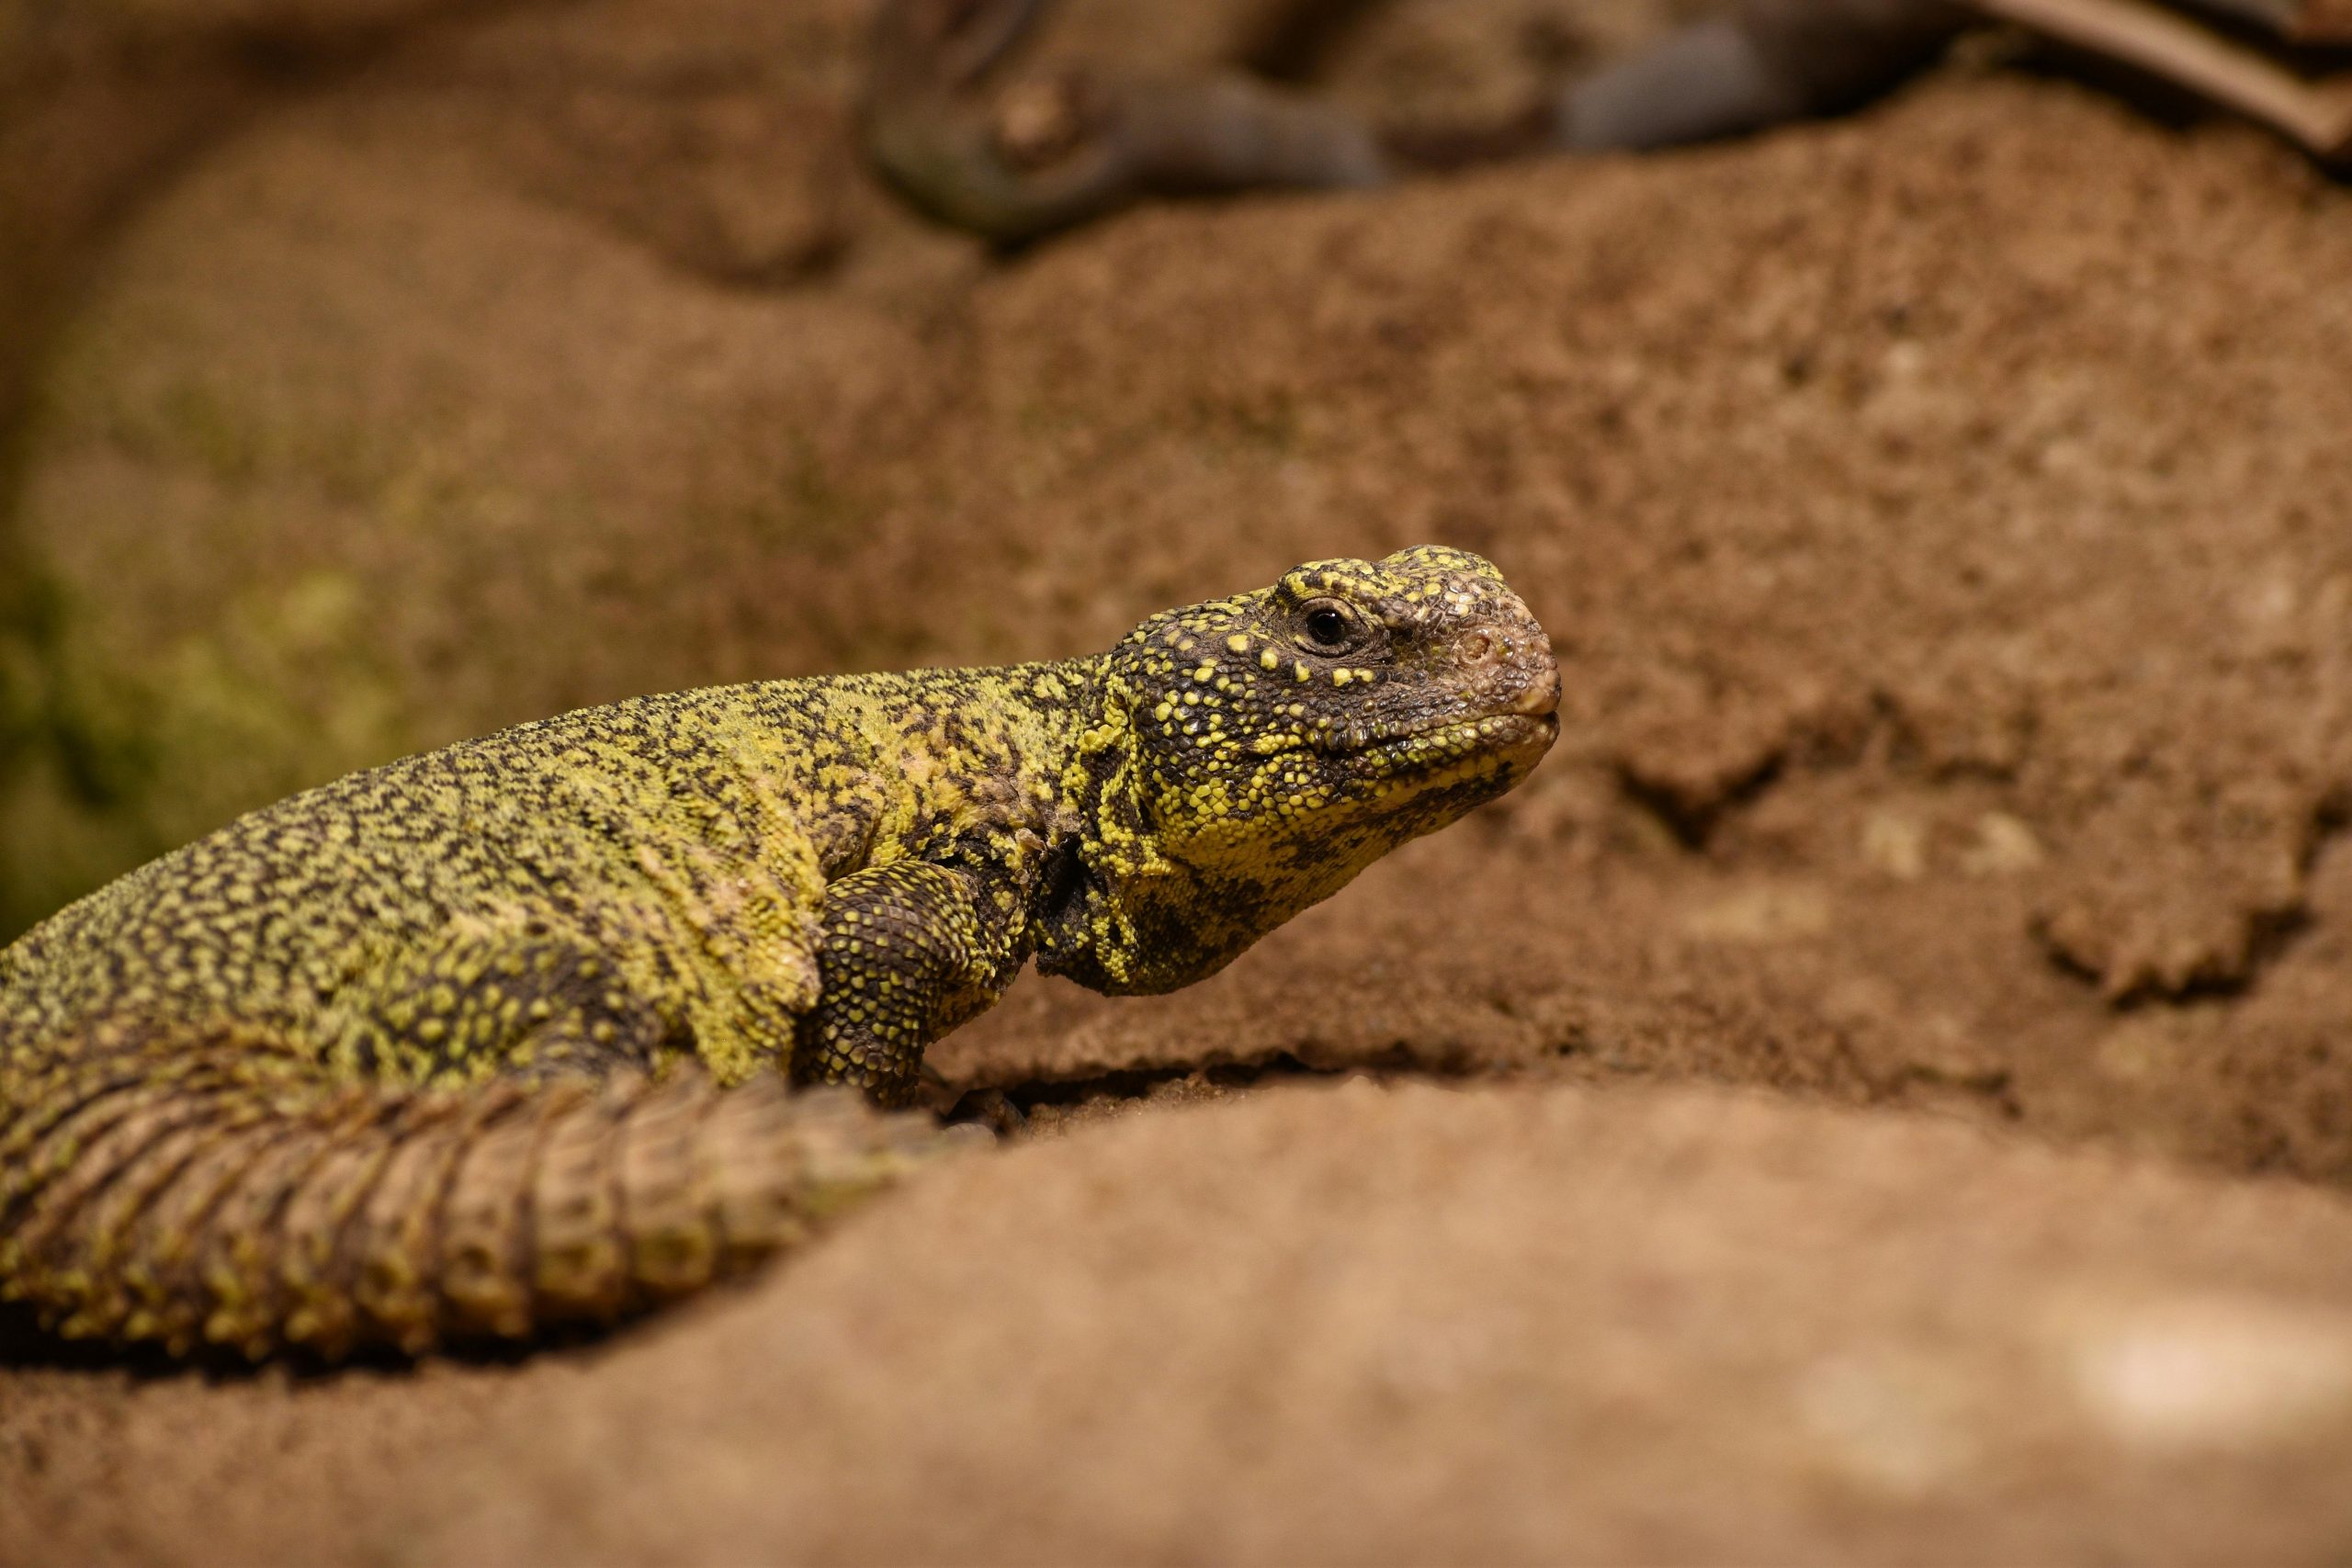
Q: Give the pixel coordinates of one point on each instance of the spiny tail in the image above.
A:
(223, 1193)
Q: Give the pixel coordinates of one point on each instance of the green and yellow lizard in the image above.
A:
(496, 1038)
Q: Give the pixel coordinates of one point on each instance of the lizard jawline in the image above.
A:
(1451, 741)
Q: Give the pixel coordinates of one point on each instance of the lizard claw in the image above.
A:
(983, 1110)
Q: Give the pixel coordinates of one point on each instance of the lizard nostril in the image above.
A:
(1478, 648)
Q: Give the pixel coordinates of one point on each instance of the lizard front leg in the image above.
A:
(906, 957)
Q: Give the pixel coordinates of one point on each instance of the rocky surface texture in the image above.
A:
(1883, 1091)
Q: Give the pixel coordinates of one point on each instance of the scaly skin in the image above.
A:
(483, 1042)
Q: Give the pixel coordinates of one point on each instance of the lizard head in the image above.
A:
(1280, 741)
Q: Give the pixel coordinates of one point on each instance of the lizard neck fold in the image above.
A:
(1077, 926)
(1115, 911)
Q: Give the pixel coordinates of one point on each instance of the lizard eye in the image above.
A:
(1330, 626)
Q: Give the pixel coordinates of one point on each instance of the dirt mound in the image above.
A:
(1350, 1325)
(1939, 516)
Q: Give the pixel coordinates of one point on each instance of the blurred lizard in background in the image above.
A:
(495, 1039)
(971, 134)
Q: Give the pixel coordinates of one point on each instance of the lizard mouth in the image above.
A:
(1436, 745)
(1497, 736)
(1528, 721)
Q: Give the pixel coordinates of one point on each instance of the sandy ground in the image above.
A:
(1403, 1324)
(1879, 1093)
